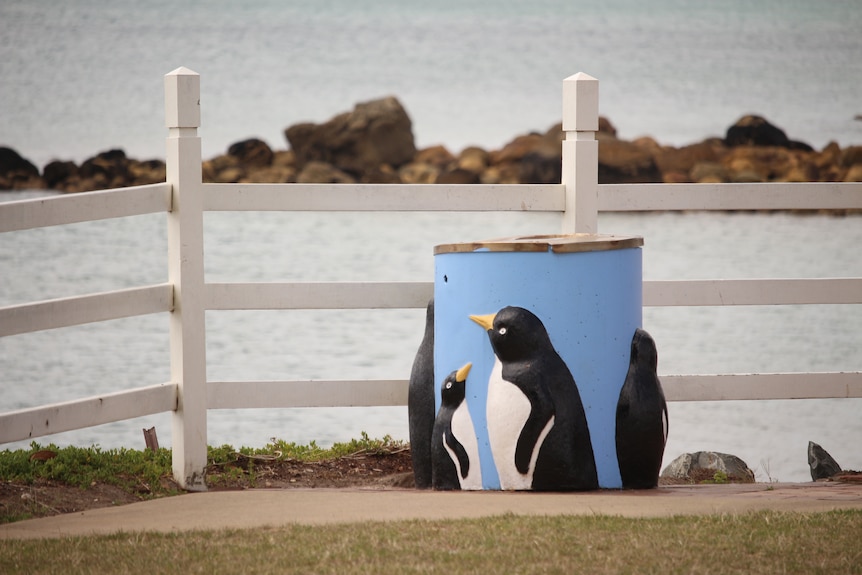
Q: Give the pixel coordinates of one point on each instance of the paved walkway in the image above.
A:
(275, 507)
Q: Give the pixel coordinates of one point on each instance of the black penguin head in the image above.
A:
(454, 387)
(644, 352)
(515, 333)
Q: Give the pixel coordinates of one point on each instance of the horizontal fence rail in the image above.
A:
(81, 413)
(384, 197)
(318, 295)
(85, 207)
(313, 393)
(752, 292)
(749, 196)
(742, 386)
(78, 310)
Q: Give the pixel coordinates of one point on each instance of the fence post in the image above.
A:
(186, 274)
(580, 153)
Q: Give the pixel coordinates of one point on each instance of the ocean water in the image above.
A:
(71, 363)
(86, 76)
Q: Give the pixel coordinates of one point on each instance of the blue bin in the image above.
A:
(587, 291)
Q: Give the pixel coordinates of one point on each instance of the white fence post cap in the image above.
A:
(580, 103)
(182, 98)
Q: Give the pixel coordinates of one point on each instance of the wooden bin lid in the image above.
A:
(560, 244)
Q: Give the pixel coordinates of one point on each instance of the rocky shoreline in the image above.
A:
(374, 143)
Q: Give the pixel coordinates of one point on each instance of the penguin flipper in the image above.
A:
(459, 451)
(529, 437)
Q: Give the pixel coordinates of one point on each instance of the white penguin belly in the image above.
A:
(507, 411)
(462, 429)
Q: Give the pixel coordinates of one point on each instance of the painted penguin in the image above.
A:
(642, 422)
(454, 448)
(537, 427)
(420, 404)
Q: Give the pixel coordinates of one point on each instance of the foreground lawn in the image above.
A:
(766, 542)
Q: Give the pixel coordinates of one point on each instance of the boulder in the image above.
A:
(473, 159)
(436, 156)
(851, 156)
(105, 170)
(252, 153)
(418, 173)
(358, 142)
(457, 176)
(146, 172)
(515, 150)
(323, 173)
(754, 130)
(17, 172)
(854, 173)
(683, 160)
(821, 463)
(703, 465)
(622, 162)
(57, 173)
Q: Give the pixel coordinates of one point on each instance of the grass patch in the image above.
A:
(147, 474)
(765, 542)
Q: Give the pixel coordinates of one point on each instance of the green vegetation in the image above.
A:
(147, 474)
(765, 542)
(718, 478)
(80, 467)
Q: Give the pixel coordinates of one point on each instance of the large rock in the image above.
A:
(821, 463)
(375, 133)
(754, 130)
(16, 172)
(682, 160)
(622, 162)
(252, 153)
(703, 465)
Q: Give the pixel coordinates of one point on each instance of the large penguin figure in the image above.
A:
(642, 423)
(420, 404)
(537, 427)
(454, 448)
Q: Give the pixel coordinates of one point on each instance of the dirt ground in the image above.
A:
(46, 498)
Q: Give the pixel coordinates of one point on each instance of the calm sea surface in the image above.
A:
(86, 76)
(79, 78)
(77, 362)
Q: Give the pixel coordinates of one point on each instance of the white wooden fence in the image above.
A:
(186, 296)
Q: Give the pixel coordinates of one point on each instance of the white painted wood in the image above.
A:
(344, 393)
(580, 169)
(47, 419)
(182, 98)
(580, 103)
(319, 295)
(749, 196)
(84, 207)
(186, 273)
(77, 310)
(762, 386)
(384, 197)
(752, 292)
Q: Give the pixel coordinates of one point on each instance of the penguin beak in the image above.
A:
(461, 374)
(486, 321)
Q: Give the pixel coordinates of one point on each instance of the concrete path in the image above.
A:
(275, 507)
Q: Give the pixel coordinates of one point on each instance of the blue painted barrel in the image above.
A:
(587, 291)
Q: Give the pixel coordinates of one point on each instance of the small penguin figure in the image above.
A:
(642, 423)
(454, 448)
(537, 427)
(420, 404)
